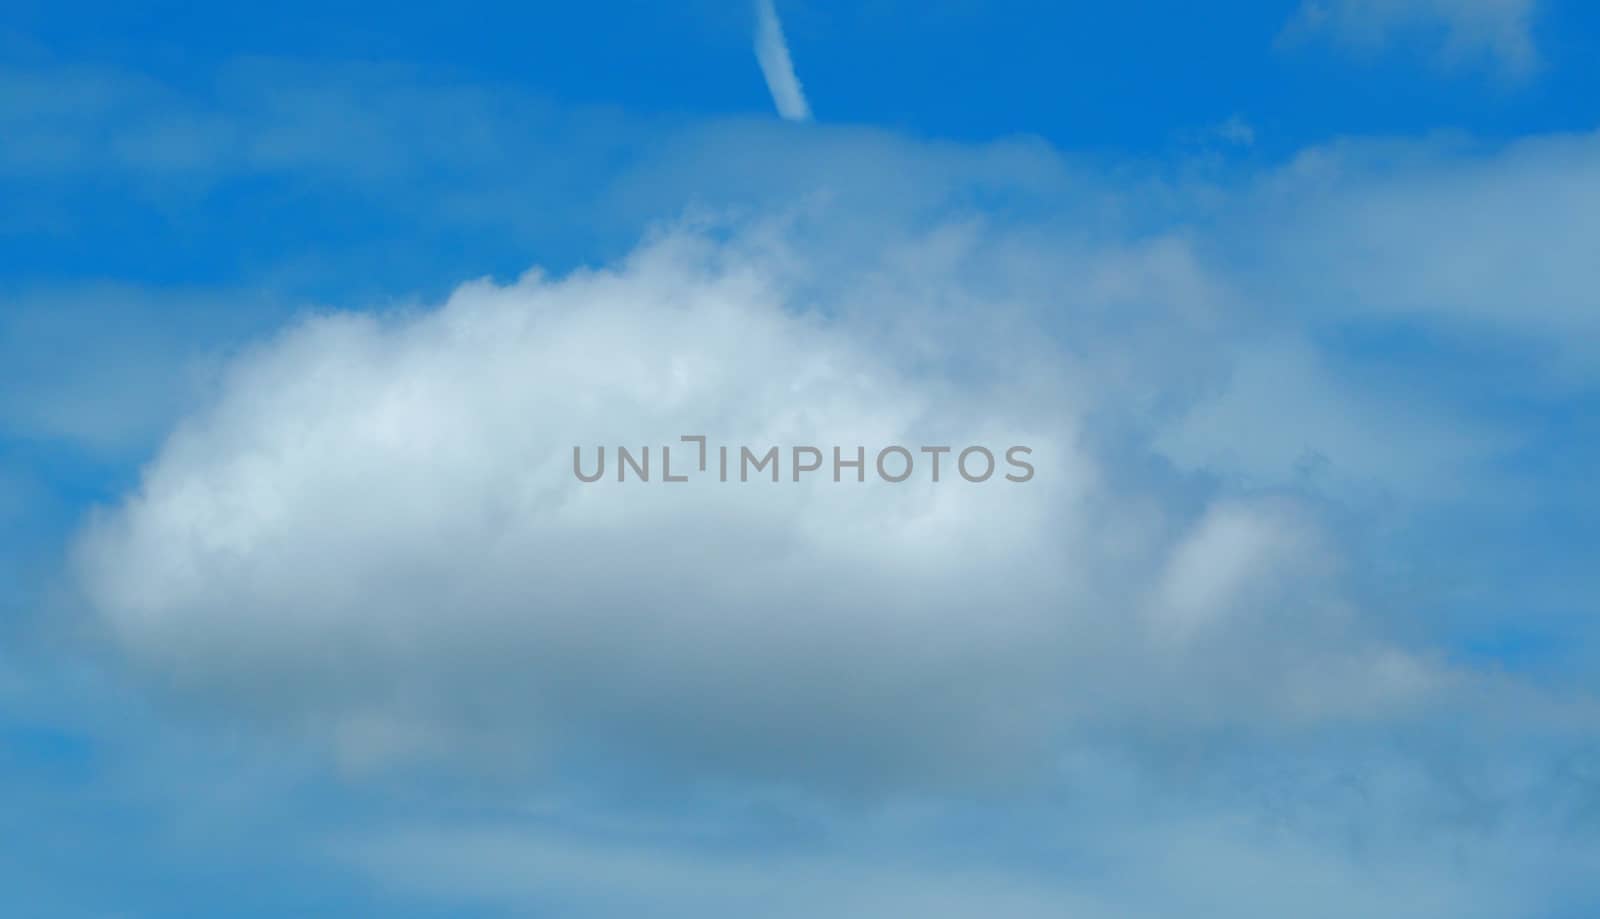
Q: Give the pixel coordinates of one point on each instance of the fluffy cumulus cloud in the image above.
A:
(376, 529)
(1501, 30)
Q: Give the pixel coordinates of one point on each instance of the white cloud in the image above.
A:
(1485, 245)
(370, 531)
(1499, 29)
(1282, 418)
(1224, 555)
(772, 52)
(376, 528)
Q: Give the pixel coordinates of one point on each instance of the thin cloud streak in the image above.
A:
(772, 52)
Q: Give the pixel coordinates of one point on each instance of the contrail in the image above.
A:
(773, 54)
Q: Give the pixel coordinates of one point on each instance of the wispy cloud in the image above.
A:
(1500, 30)
(773, 54)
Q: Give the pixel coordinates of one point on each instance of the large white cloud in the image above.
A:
(376, 529)
(373, 528)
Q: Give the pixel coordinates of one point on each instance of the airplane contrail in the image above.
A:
(773, 55)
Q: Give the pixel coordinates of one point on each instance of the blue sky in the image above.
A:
(301, 310)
